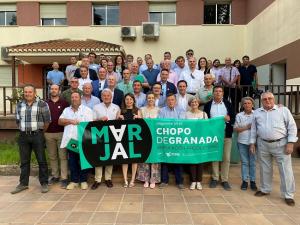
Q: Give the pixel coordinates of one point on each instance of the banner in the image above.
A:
(149, 140)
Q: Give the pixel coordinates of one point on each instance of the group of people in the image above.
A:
(128, 90)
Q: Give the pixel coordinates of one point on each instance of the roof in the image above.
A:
(65, 46)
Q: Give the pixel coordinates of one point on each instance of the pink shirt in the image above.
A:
(173, 77)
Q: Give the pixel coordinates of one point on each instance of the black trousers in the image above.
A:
(196, 171)
(234, 96)
(27, 143)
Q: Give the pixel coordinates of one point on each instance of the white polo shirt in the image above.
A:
(100, 110)
(83, 114)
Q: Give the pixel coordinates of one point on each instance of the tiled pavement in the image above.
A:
(144, 206)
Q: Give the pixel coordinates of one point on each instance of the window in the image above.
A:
(106, 14)
(8, 15)
(163, 13)
(53, 14)
(217, 13)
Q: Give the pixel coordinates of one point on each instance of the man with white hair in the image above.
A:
(106, 110)
(87, 98)
(274, 132)
(193, 77)
(117, 95)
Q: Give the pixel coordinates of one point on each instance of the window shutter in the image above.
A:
(8, 7)
(162, 7)
(53, 11)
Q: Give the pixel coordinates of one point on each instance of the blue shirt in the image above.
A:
(151, 75)
(140, 100)
(95, 67)
(90, 103)
(168, 113)
(55, 76)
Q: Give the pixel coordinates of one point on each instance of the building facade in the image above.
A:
(266, 30)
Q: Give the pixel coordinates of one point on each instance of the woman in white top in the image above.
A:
(242, 126)
(149, 173)
(196, 170)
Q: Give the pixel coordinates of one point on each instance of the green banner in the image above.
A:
(149, 140)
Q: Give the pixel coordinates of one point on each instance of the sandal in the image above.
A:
(125, 184)
(131, 184)
(152, 185)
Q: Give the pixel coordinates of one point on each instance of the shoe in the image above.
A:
(146, 184)
(72, 185)
(260, 194)
(53, 180)
(131, 184)
(193, 186)
(19, 188)
(84, 185)
(163, 185)
(180, 186)
(95, 185)
(125, 185)
(109, 183)
(64, 183)
(226, 186)
(289, 201)
(199, 186)
(244, 185)
(44, 188)
(213, 183)
(152, 185)
(253, 186)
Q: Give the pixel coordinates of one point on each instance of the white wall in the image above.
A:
(276, 26)
(210, 41)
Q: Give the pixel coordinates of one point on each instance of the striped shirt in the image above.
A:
(32, 117)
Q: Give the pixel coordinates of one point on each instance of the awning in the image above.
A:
(56, 50)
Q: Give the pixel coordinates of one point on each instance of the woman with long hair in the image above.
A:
(149, 173)
(129, 111)
(119, 65)
(202, 65)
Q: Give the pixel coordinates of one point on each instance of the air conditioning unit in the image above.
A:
(4, 54)
(128, 33)
(150, 30)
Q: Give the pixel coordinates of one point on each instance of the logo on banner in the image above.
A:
(116, 142)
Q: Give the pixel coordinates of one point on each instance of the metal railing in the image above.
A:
(287, 95)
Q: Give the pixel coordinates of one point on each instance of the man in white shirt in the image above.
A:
(193, 77)
(180, 61)
(104, 111)
(274, 132)
(70, 118)
(182, 97)
(70, 69)
(84, 77)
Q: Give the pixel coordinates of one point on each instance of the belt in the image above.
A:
(272, 141)
(31, 132)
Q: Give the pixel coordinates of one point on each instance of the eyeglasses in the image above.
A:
(269, 98)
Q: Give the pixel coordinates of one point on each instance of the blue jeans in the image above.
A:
(248, 168)
(77, 175)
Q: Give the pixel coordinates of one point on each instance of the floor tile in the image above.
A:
(221, 208)
(131, 218)
(178, 218)
(104, 217)
(79, 217)
(153, 218)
